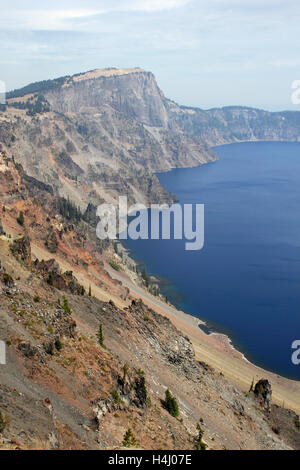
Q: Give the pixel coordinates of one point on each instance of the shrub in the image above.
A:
(58, 345)
(116, 397)
(129, 439)
(171, 404)
(114, 265)
(36, 298)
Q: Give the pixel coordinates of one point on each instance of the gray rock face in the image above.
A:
(21, 249)
(236, 124)
(136, 95)
(51, 242)
(263, 393)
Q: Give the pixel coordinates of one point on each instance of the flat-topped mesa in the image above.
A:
(132, 92)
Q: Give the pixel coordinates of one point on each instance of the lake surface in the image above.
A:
(246, 280)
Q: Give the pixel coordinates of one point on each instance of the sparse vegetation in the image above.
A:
(66, 306)
(37, 87)
(58, 345)
(34, 105)
(116, 397)
(129, 439)
(199, 444)
(171, 404)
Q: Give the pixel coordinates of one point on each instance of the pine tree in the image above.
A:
(50, 279)
(90, 291)
(101, 336)
(66, 306)
(129, 439)
(21, 219)
(146, 277)
(171, 404)
(200, 445)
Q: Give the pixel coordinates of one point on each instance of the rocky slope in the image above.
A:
(68, 384)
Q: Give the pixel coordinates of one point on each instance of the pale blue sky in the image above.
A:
(204, 53)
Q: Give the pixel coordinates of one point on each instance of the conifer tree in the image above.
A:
(200, 445)
(129, 439)
(101, 336)
(21, 219)
(66, 306)
(171, 404)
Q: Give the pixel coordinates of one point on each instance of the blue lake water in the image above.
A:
(246, 280)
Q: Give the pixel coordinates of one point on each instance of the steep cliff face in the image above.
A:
(135, 94)
(103, 133)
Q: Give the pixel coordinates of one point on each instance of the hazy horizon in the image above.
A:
(203, 53)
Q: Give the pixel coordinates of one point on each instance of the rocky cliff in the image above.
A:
(99, 134)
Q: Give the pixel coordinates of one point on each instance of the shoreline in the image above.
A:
(217, 350)
(214, 330)
(214, 350)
